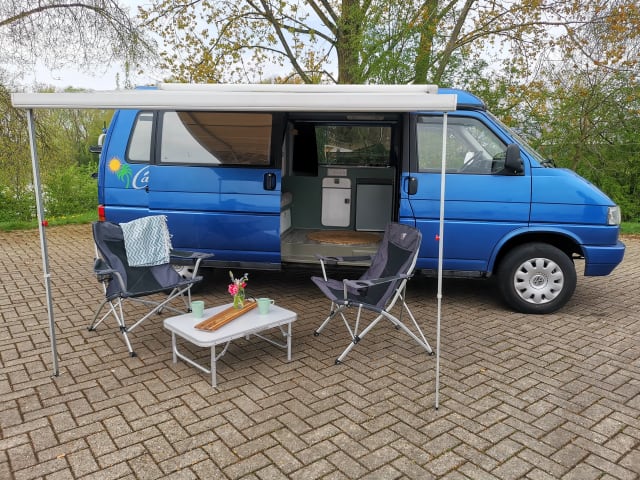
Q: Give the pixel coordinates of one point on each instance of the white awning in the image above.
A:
(263, 98)
(297, 88)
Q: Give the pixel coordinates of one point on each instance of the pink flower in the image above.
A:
(237, 284)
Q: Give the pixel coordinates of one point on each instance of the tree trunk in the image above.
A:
(348, 42)
(428, 24)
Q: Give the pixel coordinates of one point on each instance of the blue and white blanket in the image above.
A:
(147, 241)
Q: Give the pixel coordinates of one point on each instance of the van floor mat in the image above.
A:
(344, 237)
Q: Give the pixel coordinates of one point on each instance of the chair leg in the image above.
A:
(118, 313)
(357, 337)
(124, 332)
(398, 324)
(95, 322)
(123, 328)
(333, 312)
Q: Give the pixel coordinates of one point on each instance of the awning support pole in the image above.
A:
(43, 238)
(441, 252)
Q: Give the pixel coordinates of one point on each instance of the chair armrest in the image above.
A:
(336, 260)
(183, 255)
(100, 267)
(362, 284)
(105, 273)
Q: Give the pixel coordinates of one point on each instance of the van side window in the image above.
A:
(471, 147)
(216, 138)
(139, 150)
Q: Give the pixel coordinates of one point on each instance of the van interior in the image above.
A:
(340, 176)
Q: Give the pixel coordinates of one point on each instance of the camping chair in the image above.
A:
(124, 282)
(378, 289)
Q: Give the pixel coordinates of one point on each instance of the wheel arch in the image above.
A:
(560, 239)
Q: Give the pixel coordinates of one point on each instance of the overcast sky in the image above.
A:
(101, 78)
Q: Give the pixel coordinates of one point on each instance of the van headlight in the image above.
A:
(613, 215)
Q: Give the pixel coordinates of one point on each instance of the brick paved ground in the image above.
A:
(534, 397)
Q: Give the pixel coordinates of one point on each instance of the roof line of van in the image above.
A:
(267, 98)
(466, 100)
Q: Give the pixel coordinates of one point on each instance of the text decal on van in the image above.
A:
(141, 178)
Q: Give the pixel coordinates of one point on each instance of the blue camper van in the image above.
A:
(269, 175)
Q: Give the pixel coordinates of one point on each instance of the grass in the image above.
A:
(630, 228)
(87, 217)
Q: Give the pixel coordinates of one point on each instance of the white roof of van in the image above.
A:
(251, 97)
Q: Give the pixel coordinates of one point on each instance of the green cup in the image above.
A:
(264, 305)
(197, 308)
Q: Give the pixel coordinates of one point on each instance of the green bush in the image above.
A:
(70, 190)
(17, 207)
(67, 190)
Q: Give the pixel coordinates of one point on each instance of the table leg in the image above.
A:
(213, 366)
(173, 347)
(289, 343)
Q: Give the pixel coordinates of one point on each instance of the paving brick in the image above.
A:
(445, 463)
(512, 469)
(270, 472)
(82, 463)
(535, 397)
(22, 456)
(208, 469)
(315, 470)
(243, 468)
(284, 460)
(40, 470)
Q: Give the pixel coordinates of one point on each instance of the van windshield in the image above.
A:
(523, 143)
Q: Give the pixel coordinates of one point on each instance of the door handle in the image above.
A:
(269, 181)
(412, 185)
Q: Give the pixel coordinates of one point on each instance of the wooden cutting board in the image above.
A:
(225, 316)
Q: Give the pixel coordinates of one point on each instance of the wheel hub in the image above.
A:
(538, 280)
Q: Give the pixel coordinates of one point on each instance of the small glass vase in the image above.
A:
(238, 299)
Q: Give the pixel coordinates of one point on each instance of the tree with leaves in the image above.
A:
(87, 34)
(377, 41)
(62, 137)
(57, 33)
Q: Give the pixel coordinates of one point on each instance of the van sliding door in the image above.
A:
(217, 180)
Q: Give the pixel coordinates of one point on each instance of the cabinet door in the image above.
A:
(336, 202)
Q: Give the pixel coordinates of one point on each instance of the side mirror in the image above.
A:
(513, 161)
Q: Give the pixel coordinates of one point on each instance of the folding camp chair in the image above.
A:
(378, 289)
(124, 282)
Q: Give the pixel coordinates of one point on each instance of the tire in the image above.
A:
(186, 272)
(536, 278)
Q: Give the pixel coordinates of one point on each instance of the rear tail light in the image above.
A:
(101, 217)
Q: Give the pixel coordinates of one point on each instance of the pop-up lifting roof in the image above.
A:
(272, 98)
(257, 97)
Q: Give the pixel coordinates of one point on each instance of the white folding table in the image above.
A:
(250, 323)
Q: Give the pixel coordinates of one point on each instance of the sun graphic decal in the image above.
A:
(122, 171)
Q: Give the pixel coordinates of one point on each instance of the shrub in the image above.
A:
(70, 190)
